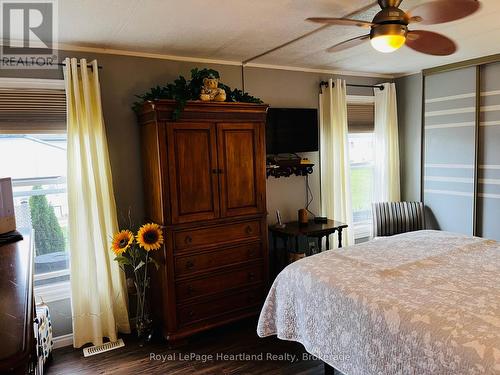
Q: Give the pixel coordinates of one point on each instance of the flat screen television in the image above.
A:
(290, 130)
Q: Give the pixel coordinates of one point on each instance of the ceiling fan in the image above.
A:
(389, 28)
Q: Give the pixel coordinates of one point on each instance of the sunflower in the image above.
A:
(150, 237)
(122, 241)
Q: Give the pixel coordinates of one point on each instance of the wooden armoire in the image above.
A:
(204, 180)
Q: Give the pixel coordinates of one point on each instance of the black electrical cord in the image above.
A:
(309, 191)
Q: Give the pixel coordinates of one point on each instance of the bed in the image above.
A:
(425, 302)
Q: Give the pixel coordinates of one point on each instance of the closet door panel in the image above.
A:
(449, 152)
(489, 154)
(449, 146)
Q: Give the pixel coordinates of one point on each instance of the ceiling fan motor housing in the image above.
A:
(388, 29)
(391, 15)
(389, 21)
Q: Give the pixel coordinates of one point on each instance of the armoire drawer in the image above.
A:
(217, 283)
(194, 312)
(210, 236)
(186, 265)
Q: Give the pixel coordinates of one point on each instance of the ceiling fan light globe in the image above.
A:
(388, 43)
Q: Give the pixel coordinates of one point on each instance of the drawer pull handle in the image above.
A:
(248, 229)
(188, 240)
(191, 313)
(251, 276)
(189, 264)
(190, 290)
(215, 171)
(250, 253)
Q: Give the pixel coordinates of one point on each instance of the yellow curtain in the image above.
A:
(335, 168)
(99, 300)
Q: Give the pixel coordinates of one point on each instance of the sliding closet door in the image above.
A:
(449, 150)
(488, 215)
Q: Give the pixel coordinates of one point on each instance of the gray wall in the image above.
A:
(409, 96)
(281, 88)
(124, 76)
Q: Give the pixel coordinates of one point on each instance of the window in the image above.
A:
(37, 166)
(361, 153)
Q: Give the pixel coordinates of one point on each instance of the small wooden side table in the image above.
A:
(316, 230)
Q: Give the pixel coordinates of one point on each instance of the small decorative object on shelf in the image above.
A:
(302, 214)
(279, 222)
(211, 91)
(133, 252)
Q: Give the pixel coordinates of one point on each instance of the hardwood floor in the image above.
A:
(236, 339)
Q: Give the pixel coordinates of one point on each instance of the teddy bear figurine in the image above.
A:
(211, 91)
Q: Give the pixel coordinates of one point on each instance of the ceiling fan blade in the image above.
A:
(348, 43)
(430, 43)
(340, 21)
(441, 11)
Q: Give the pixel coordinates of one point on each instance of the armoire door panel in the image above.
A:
(194, 187)
(449, 152)
(242, 168)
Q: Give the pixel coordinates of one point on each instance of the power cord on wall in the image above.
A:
(309, 201)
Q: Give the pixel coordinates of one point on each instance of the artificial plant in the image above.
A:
(182, 90)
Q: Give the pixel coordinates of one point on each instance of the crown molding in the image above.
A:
(120, 52)
(320, 71)
(402, 75)
(150, 55)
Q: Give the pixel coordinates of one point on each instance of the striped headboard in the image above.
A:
(390, 218)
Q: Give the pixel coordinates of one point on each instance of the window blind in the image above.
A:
(361, 117)
(32, 111)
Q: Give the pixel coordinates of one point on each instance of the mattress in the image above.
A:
(425, 302)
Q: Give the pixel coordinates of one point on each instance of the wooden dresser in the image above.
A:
(204, 180)
(18, 345)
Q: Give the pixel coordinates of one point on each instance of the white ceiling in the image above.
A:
(236, 30)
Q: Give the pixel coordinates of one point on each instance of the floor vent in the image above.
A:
(106, 347)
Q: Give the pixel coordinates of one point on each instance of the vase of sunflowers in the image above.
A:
(133, 252)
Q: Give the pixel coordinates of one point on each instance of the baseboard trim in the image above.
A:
(62, 341)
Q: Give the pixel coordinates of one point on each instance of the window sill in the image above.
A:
(53, 292)
(362, 230)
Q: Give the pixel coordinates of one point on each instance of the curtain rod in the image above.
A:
(380, 87)
(88, 65)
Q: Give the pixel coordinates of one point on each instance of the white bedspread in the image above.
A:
(426, 302)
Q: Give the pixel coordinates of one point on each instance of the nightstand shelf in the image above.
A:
(278, 171)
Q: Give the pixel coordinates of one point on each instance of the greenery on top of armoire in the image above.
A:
(182, 90)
